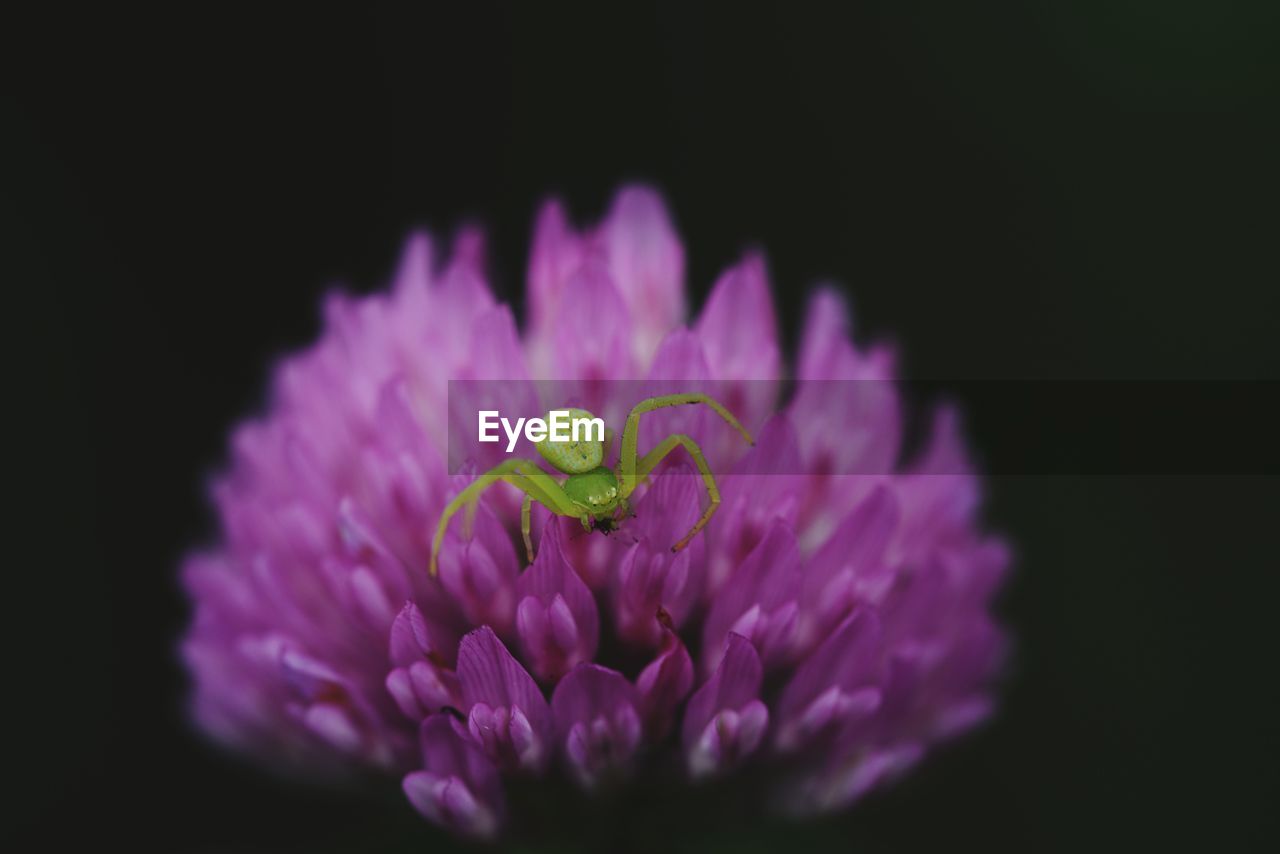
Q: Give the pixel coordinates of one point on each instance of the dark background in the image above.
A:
(1024, 191)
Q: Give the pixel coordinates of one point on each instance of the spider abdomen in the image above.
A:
(576, 456)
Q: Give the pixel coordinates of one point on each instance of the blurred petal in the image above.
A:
(759, 601)
(665, 682)
(852, 566)
(725, 720)
(459, 789)
(839, 682)
(557, 253)
(592, 329)
(420, 682)
(846, 408)
(646, 262)
(739, 334)
(480, 573)
(598, 723)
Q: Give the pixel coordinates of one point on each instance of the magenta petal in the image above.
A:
(843, 776)
(846, 408)
(312, 677)
(458, 296)
(735, 682)
(494, 689)
(490, 674)
(764, 485)
(598, 723)
(459, 788)
(737, 325)
(852, 566)
(497, 353)
(494, 376)
(759, 598)
(400, 687)
(667, 509)
(838, 682)
(331, 705)
(678, 367)
(650, 577)
(679, 364)
(419, 682)
(739, 334)
(412, 280)
(410, 637)
(557, 253)
(480, 573)
(713, 733)
(558, 624)
(592, 331)
(826, 349)
(646, 261)
(663, 684)
(334, 724)
(434, 685)
(940, 492)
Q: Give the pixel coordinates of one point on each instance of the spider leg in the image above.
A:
(524, 475)
(624, 510)
(666, 446)
(628, 477)
(526, 524)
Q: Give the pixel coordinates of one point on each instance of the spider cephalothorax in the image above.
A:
(593, 493)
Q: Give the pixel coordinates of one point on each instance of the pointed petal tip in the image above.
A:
(413, 270)
(551, 211)
(639, 200)
(738, 324)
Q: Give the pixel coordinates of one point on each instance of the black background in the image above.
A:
(1023, 191)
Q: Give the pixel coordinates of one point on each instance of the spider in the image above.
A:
(592, 493)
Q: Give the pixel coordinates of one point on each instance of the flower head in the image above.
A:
(833, 620)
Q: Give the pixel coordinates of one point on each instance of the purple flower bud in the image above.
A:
(556, 620)
(740, 337)
(598, 724)
(846, 412)
(646, 261)
(480, 573)
(506, 713)
(852, 567)
(664, 682)
(592, 345)
(764, 485)
(649, 577)
(328, 705)
(420, 681)
(459, 788)
(726, 720)
(759, 601)
(838, 684)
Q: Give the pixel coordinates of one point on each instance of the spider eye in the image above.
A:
(596, 490)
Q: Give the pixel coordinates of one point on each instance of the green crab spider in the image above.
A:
(592, 493)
